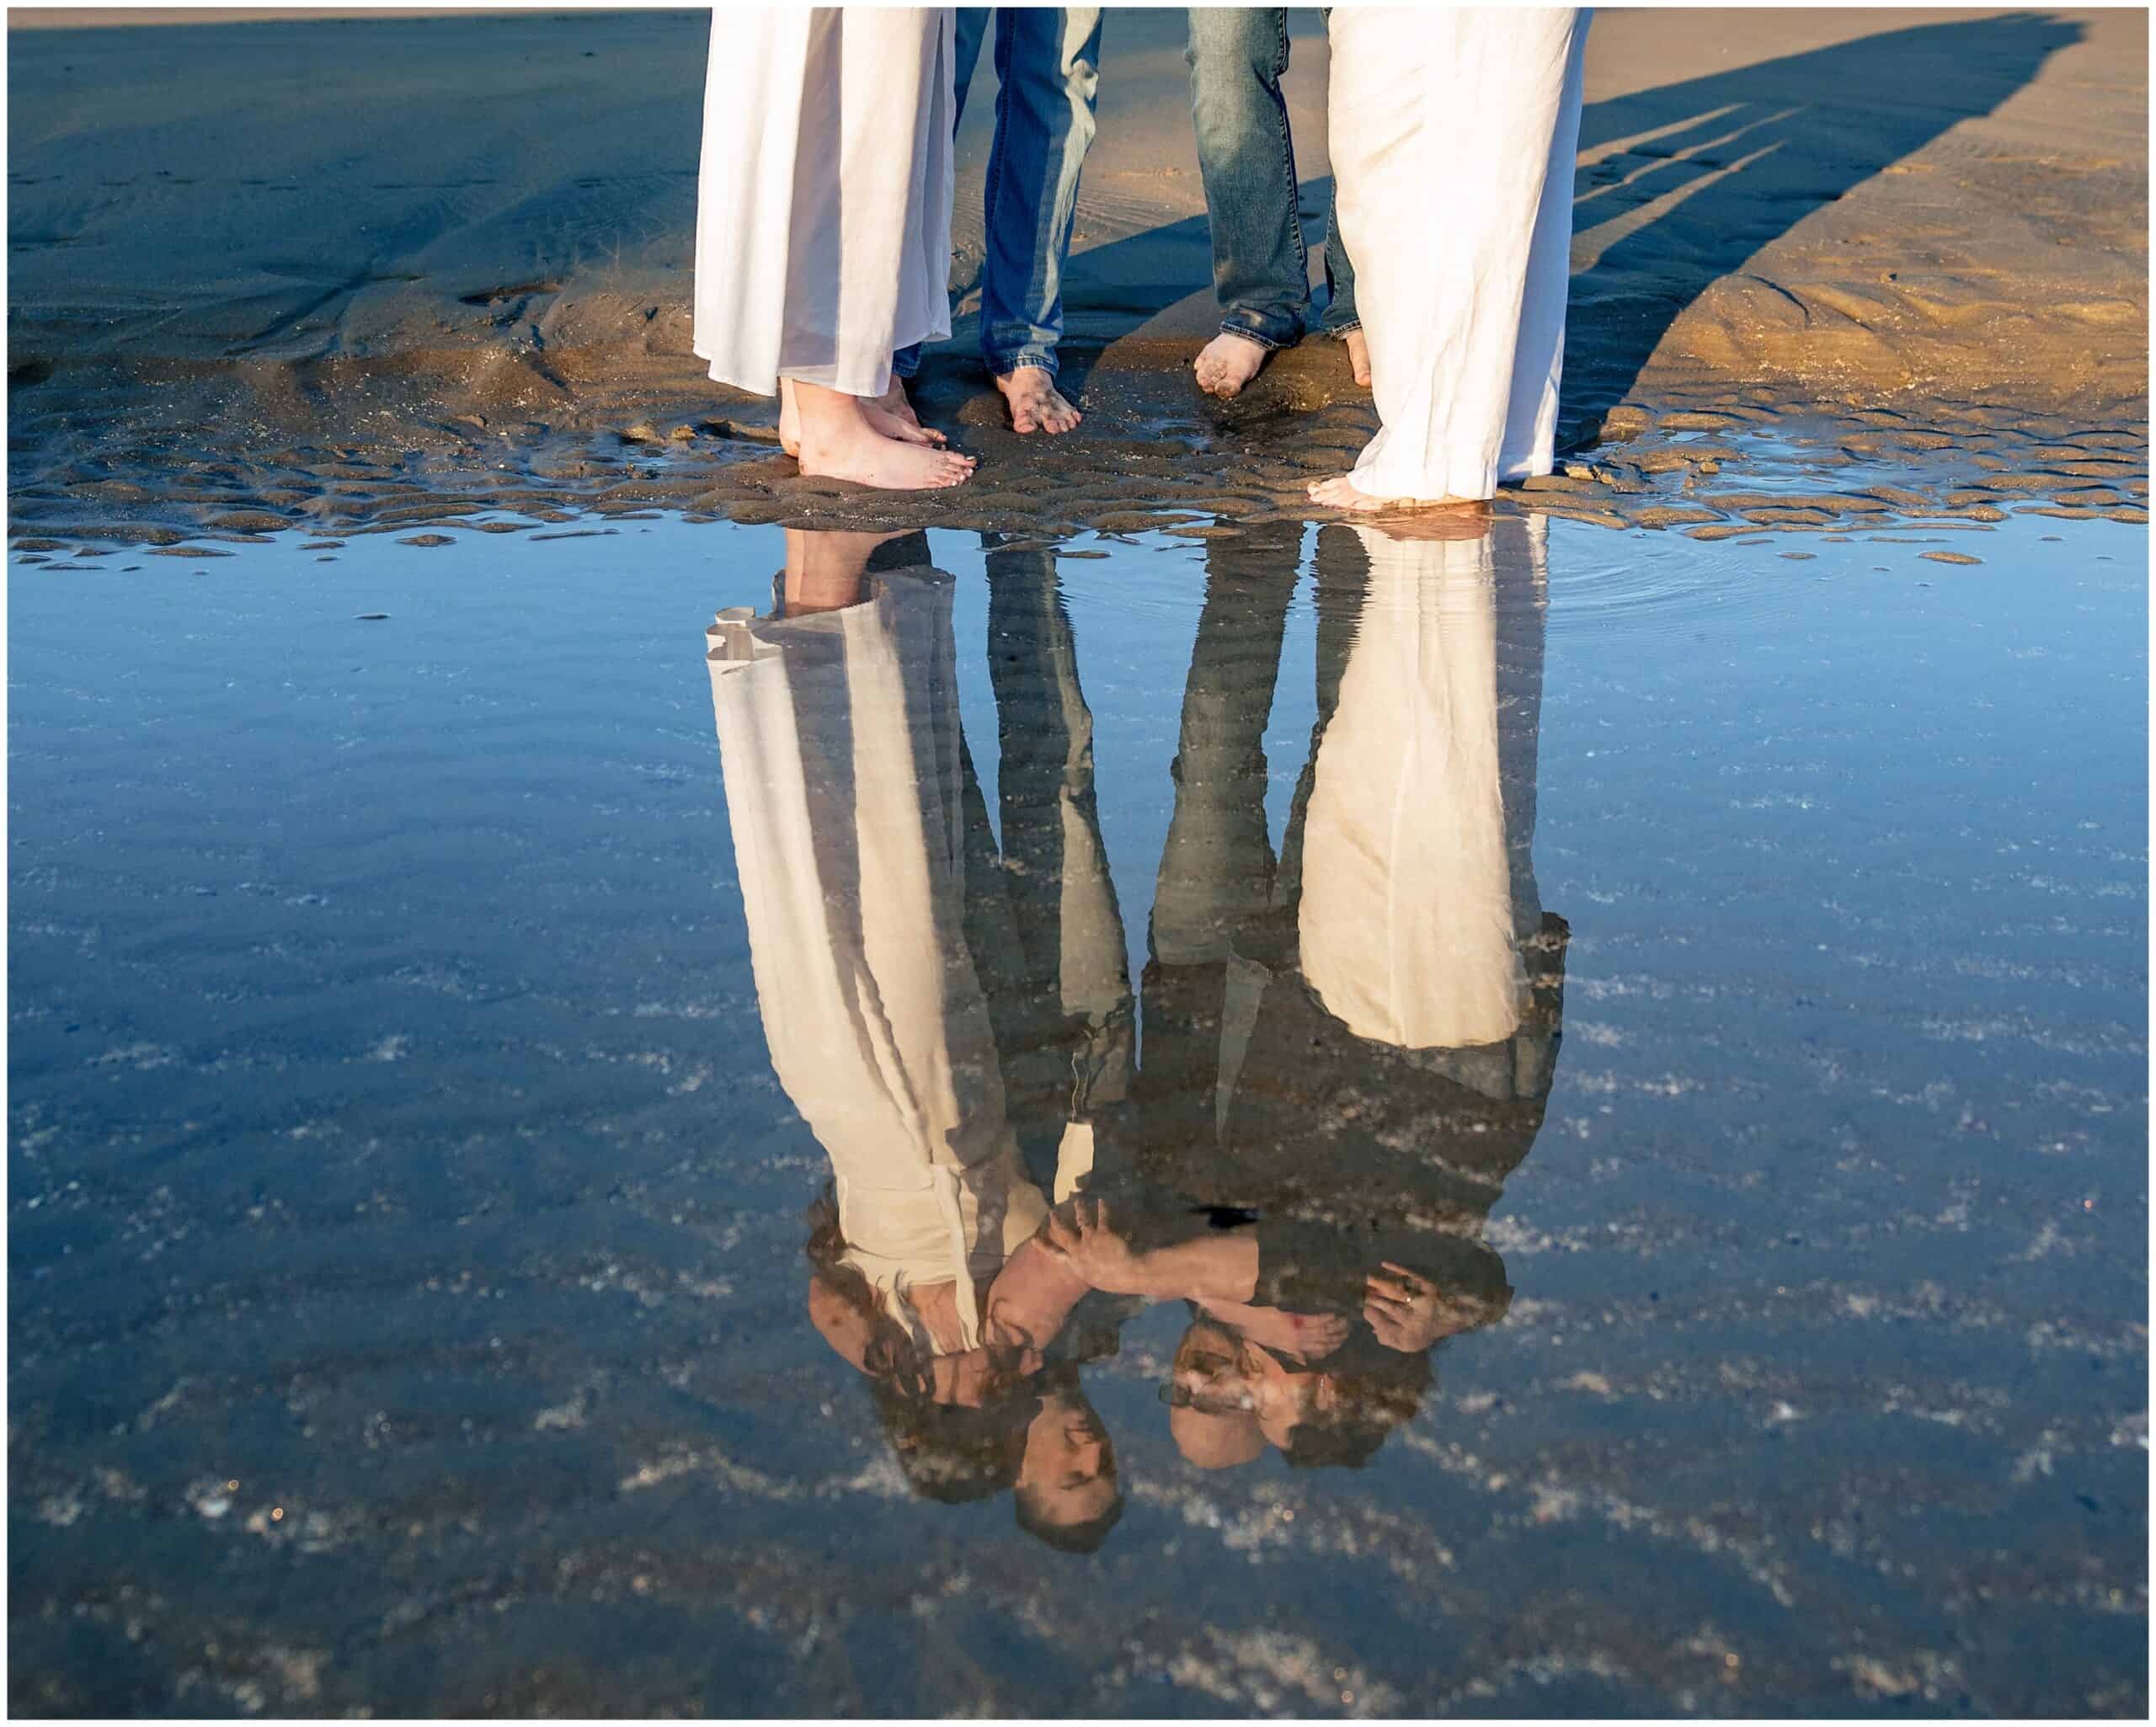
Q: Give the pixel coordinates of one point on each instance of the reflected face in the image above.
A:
(1229, 1396)
(1068, 1473)
(1214, 1441)
(1212, 1398)
(1212, 1375)
(1286, 1399)
(978, 1377)
(1031, 1298)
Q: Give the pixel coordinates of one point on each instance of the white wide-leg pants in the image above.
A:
(839, 742)
(824, 193)
(1406, 925)
(1453, 135)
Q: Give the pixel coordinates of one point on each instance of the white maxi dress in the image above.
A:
(839, 738)
(1453, 133)
(824, 193)
(1408, 927)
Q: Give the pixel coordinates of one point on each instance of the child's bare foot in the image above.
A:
(892, 414)
(1358, 356)
(1341, 492)
(846, 447)
(1036, 404)
(1227, 362)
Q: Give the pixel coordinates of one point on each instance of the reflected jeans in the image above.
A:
(1048, 80)
(1246, 157)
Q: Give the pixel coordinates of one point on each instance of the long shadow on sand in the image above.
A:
(1740, 158)
(1725, 165)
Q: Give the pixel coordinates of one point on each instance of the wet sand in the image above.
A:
(453, 252)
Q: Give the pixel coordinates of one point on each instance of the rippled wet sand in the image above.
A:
(409, 1171)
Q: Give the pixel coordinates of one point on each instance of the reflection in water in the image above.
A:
(1346, 1048)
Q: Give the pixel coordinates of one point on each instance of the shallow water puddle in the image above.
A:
(1656, 1029)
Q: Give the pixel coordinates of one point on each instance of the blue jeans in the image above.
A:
(1246, 155)
(1048, 72)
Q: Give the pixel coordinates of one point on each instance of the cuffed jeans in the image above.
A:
(1047, 79)
(1246, 155)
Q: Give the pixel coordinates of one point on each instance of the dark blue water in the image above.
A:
(1718, 978)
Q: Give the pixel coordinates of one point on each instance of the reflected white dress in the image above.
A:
(839, 737)
(824, 193)
(1408, 927)
(1453, 134)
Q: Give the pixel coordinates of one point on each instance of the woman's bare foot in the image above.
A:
(789, 419)
(890, 413)
(867, 457)
(1227, 362)
(827, 569)
(1358, 356)
(1036, 404)
(1341, 492)
(837, 442)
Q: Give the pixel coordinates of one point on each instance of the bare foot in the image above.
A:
(1036, 404)
(789, 419)
(826, 570)
(1340, 492)
(1358, 356)
(1227, 362)
(892, 414)
(857, 451)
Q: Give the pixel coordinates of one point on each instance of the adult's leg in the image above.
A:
(1531, 416)
(969, 31)
(1443, 124)
(967, 37)
(834, 189)
(1246, 158)
(1405, 924)
(1216, 878)
(838, 749)
(1073, 1043)
(1520, 555)
(1340, 570)
(890, 414)
(1046, 65)
(1213, 898)
(1342, 321)
(838, 441)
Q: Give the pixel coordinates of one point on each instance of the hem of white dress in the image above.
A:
(828, 376)
(1462, 479)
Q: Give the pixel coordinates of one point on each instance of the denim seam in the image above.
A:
(1004, 367)
(994, 182)
(1280, 59)
(1270, 347)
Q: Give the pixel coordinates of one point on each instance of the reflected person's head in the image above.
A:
(1067, 1493)
(1212, 1404)
(1031, 1298)
(955, 1452)
(1214, 1441)
(1345, 1416)
(846, 1311)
